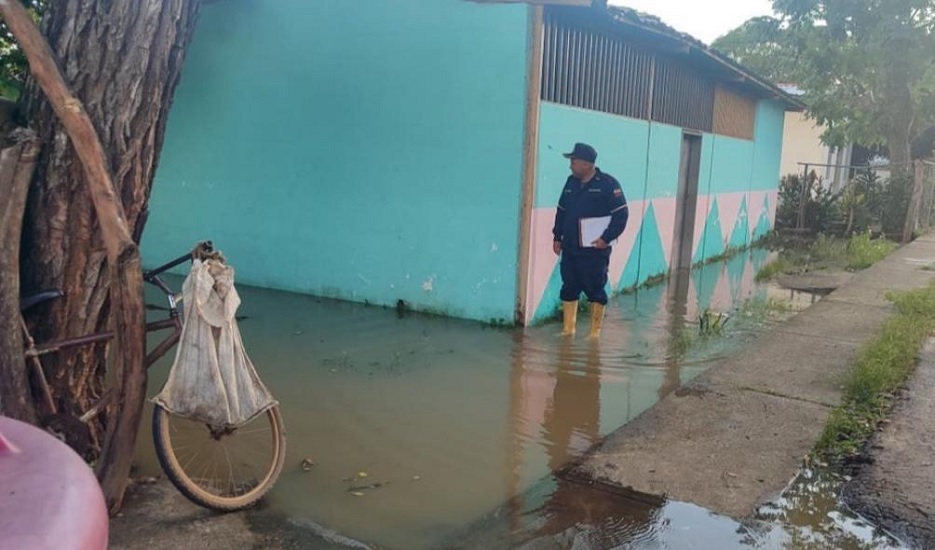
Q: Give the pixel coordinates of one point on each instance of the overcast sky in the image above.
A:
(703, 19)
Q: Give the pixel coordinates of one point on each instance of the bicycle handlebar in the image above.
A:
(152, 276)
(203, 246)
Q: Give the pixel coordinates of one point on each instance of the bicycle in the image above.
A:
(179, 441)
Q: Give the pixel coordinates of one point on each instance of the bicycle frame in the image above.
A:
(33, 352)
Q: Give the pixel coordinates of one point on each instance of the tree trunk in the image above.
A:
(123, 59)
(899, 97)
(915, 202)
(17, 165)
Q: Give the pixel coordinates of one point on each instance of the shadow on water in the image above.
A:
(454, 419)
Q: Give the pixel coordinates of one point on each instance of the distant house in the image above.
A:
(410, 150)
(802, 148)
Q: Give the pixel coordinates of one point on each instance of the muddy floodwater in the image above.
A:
(462, 425)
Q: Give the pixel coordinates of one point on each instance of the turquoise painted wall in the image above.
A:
(621, 145)
(356, 149)
(732, 164)
(770, 125)
(665, 155)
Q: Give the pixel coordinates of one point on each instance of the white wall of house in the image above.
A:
(801, 143)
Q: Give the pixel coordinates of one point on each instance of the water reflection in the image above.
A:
(460, 418)
(572, 418)
(676, 321)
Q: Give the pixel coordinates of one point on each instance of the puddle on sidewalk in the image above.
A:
(559, 513)
(459, 418)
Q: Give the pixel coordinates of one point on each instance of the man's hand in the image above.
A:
(557, 247)
(599, 244)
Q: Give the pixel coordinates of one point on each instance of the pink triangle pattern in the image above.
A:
(665, 210)
(773, 201)
(542, 260)
(701, 216)
(728, 205)
(755, 208)
(721, 299)
(691, 305)
(626, 243)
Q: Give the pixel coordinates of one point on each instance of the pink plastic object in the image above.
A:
(49, 497)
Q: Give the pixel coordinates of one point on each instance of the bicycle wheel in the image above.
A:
(221, 469)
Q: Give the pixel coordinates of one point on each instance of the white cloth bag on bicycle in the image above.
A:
(212, 379)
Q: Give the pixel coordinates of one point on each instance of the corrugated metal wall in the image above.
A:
(591, 69)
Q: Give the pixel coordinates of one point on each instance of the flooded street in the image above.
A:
(459, 425)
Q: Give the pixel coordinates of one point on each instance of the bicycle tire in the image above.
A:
(194, 492)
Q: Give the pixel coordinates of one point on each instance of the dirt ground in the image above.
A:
(895, 488)
(155, 517)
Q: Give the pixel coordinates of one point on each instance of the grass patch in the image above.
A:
(712, 323)
(863, 252)
(681, 341)
(858, 252)
(760, 309)
(773, 268)
(883, 366)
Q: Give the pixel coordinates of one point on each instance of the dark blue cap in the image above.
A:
(584, 152)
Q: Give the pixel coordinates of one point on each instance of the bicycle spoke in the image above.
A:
(190, 460)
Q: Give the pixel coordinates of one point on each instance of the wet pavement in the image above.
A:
(454, 419)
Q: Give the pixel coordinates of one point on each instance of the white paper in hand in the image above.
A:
(591, 229)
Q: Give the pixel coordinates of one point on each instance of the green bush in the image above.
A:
(820, 208)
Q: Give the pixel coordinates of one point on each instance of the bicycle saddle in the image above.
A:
(27, 302)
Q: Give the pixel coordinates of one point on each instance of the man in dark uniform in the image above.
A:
(588, 194)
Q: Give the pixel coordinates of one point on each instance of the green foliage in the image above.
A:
(13, 65)
(773, 268)
(761, 44)
(882, 368)
(820, 208)
(894, 205)
(865, 203)
(863, 252)
(865, 65)
(712, 323)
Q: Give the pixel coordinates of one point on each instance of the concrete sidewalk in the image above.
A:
(736, 436)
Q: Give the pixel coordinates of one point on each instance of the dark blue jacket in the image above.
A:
(602, 196)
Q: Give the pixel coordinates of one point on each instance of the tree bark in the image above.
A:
(17, 165)
(915, 202)
(899, 97)
(123, 59)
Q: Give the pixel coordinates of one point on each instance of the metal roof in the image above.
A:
(654, 32)
(650, 32)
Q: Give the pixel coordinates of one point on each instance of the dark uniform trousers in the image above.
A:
(584, 273)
